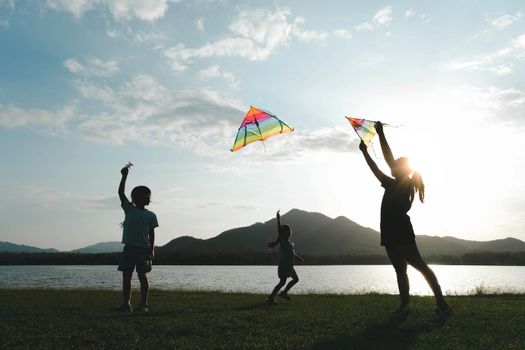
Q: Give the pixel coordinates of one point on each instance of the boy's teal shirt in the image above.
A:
(137, 225)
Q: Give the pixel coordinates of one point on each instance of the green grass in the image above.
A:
(85, 319)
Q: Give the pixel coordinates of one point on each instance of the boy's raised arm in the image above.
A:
(385, 147)
(122, 185)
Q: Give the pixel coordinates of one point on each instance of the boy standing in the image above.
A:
(138, 235)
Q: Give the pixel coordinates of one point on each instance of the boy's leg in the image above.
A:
(126, 287)
(144, 288)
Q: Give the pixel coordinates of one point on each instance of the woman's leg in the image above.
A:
(411, 254)
(400, 265)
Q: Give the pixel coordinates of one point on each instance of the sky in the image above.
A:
(88, 85)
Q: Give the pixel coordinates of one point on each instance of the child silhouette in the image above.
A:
(397, 234)
(286, 261)
(138, 235)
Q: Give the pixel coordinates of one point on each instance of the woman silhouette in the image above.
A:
(397, 234)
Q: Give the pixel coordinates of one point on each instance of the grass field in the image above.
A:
(86, 319)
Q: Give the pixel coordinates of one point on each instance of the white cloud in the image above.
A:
(504, 21)
(365, 26)
(307, 35)
(409, 13)
(256, 35)
(519, 42)
(199, 24)
(215, 72)
(499, 104)
(343, 33)
(92, 67)
(146, 10)
(383, 16)
(47, 120)
(502, 70)
(75, 7)
(150, 37)
(204, 122)
(303, 145)
(144, 111)
(499, 62)
(310, 35)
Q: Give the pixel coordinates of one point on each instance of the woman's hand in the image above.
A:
(124, 171)
(379, 127)
(362, 146)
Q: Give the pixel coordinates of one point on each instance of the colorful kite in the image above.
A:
(364, 129)
(258, 125)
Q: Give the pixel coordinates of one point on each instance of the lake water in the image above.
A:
(347, 279)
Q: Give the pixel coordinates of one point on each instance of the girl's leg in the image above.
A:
(292, 283)
(144, 288)
(400, 265)
(126, 287)
(278, 287)
(411, 254)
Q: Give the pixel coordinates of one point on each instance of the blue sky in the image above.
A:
(87, 85)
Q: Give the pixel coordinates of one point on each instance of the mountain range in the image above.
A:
(318, 234)
(313, 234)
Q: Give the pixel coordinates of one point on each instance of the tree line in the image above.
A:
(251, 258)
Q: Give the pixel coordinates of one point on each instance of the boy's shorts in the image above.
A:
(286, 271)
(132, 257)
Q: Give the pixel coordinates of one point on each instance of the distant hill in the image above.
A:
(314, 234)
(103, 247)
(20, 248)
(320, 235)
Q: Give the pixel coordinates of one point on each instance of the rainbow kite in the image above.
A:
(364, 129)
(258, 125)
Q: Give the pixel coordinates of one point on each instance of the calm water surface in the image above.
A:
(347, 279)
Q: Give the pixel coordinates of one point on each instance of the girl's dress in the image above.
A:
(396, 228)
(286, 260)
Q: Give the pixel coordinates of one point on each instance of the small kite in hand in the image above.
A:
(258, 125)
(364, 129)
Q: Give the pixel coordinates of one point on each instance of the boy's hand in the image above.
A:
(362, 146)
(151, 254)
(124, 171)
(278, 213)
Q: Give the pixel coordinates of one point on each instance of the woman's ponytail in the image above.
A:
(419, 185)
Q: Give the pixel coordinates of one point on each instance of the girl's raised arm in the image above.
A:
(373, 166)
(385, 147)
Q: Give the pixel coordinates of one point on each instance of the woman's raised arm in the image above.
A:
(385, 147)
(373, 166)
